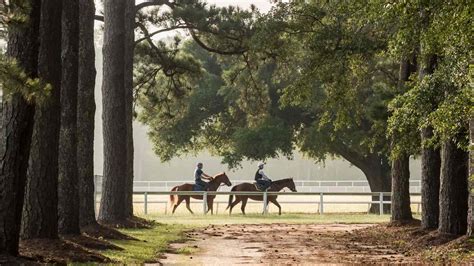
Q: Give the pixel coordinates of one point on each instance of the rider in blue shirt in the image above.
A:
(199, 175)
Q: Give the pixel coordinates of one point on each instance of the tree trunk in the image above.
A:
(377, 171)
(112, 207)
(379, 179)
(430, 161)
(40, 211)
(430, 178)
(17, 127)
(470, 221)
(401, 210)
(68, 187)
(453, 190)
(86, 113)
(128, 83)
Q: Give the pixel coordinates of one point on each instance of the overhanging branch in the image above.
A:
(154, 3)
(158, 32)
(213, 50)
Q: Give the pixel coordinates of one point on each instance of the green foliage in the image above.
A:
(443, 99)
(13, 14)
(13, 79)
(318, 76)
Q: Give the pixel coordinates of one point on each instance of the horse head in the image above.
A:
(291, 185)
(223, 178)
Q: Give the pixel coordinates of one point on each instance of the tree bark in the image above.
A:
(128, 83)
(68, 187)
(378, 175)
(401, 210)
(470, 221)
(112, 207)
(430, 181)
(430, 162)
(85, 113)
(40, 211)
(17, 127)
(453, 190)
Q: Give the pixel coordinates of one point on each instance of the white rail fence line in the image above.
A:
(301, 185)
(265, 195)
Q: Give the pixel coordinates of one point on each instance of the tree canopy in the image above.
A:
(317, 76)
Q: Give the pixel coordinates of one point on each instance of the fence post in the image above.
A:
(95, 195)
(265, 203)
(381, 203)
(217, 207)
(145, 202)
(321, 203)
(204, 202)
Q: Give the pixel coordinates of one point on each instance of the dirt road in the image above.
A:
(279, 244)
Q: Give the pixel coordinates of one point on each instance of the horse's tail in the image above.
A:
(231, 197)
(173, 197)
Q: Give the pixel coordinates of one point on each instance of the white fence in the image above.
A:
(301, 185)
(321, 202)
(315, 191)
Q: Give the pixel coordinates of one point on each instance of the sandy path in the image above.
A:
(281, 244)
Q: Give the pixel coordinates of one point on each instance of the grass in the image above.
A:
(152, 242)
(299, 218)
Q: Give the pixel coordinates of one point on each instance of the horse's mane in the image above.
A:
(283, 180)
(219, 174)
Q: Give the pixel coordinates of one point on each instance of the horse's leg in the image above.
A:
(210, 207)
(237, 200)
(274, 201)
(244, 203)
(188, 206)
(180, 199)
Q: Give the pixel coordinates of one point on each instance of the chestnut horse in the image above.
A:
(246, 187)
(214, 184)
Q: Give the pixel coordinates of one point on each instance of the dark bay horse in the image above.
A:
(249, 187)
(214, 184)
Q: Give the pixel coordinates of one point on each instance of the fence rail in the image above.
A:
(381, 201)
(301, 185)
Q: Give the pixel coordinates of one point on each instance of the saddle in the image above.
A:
(197, 187)
(259, 187)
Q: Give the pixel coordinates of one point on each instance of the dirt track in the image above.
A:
(280, 244)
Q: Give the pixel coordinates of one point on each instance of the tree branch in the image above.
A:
(153, 3)
(353, 157)
(158, 32)
(213, 50)
(143, 5)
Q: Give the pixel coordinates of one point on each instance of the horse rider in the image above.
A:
(199, 175)
(262, 180)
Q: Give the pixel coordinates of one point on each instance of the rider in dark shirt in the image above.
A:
(199, 175)
(263, 181)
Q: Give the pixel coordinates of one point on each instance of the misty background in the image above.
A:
(148, 165)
